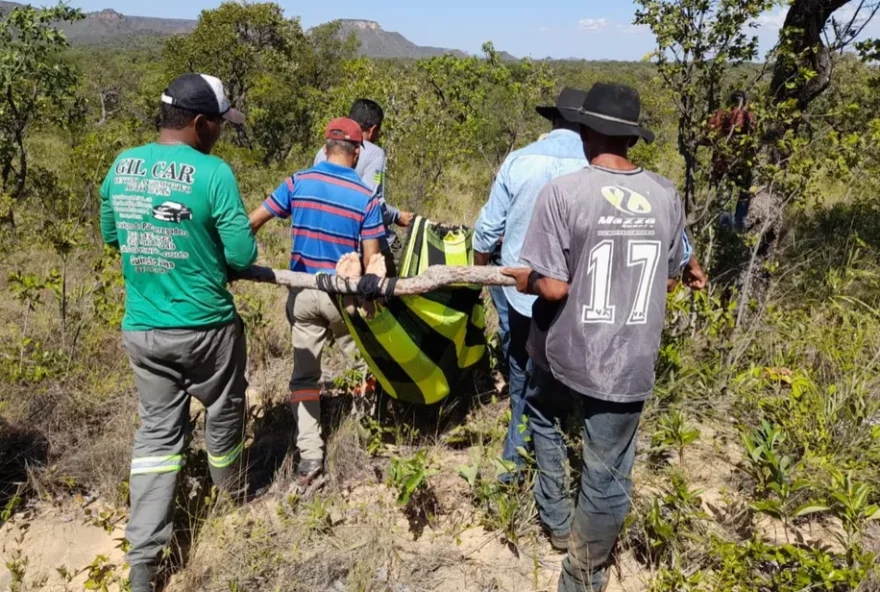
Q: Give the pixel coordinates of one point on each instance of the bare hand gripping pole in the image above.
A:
(435, 277)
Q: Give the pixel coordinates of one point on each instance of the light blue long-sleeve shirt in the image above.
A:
(509, 209)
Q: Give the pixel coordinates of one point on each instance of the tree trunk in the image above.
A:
(801, 38)
(435, 277)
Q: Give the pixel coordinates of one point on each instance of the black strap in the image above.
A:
(390, 287)
(329, 284)
(370, 287)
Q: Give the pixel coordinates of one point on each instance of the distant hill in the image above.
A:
(109, 27)
(376, 42)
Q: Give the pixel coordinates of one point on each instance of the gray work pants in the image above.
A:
(314, 318)
(170, 366)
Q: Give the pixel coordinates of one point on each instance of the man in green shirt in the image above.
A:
(176, 216)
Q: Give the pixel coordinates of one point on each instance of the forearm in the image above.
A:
(551, 290)
(259, 218)
(390, 214)
(481, 259)
(371, 249)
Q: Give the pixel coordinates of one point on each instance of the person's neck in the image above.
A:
(341, 161)
(170, 137)
(615, 162)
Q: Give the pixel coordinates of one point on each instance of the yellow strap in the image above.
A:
(444, 320)
(400, 346)
(455, 246)
(406, 260)
(383, 380)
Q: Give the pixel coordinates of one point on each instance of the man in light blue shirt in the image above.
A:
(371, 169)
(507, 214)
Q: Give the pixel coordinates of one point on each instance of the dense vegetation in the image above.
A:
(759, 458)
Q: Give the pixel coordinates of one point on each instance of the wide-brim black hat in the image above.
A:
(570, 99)
(611, 110)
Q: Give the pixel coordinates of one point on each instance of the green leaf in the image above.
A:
(809, 509)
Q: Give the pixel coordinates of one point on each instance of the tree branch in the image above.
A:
(435, 277)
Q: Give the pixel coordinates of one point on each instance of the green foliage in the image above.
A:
(11, 506)
(410, 477)
(101, 575)
(671, 518)
(674, 432)
(30, 361)
(785, 568)
(271, 69)
(317, 515)
(851, 503)
(698, 41)
(35, 84)
(794, 365)
(17, 565)
(508, 506)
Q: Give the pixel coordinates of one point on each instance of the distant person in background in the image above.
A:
(604, 246)
(507, 214)
(333, 214)
(176, 215)
(371, 169)
(731, 159)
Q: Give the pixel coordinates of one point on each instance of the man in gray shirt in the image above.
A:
(371, 169)
(604, 246)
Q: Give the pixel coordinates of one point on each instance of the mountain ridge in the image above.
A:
(109, 27)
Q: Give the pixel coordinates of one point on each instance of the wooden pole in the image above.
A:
(435, 277)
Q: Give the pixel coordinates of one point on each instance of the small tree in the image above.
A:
(698, 42)
(803, 65)
(34, 83)
(272, 69)
(235, 42)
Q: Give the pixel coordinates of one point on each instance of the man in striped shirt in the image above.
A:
(332, 214)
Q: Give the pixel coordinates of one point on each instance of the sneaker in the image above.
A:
(141, 577)
(307, 471)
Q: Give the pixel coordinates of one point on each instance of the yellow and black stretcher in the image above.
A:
(418, 347)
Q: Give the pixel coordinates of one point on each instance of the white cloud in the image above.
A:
(543, 29)
(589, 24)
(772, 20)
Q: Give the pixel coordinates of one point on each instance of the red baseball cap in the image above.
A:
(345, 129)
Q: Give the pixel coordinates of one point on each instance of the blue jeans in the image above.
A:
(606, 477)
(503, 308)
(520, 365)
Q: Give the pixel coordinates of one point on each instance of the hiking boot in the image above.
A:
(307, 471)
(141, 577)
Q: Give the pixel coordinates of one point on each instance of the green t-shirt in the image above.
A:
(177, 217)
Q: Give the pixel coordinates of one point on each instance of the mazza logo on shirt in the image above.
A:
(635, 206)
(628, 202)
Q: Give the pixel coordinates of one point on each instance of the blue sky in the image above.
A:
(590, 29)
